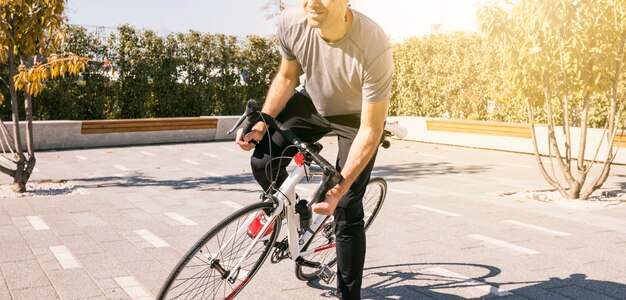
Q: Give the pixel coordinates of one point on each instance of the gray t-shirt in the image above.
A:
(339, 77)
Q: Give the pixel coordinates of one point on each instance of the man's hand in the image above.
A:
(248, 142)
(332, 200)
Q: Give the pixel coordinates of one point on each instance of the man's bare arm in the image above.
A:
(279, 93)
(362, 150)
(366, 141)
(282, 87)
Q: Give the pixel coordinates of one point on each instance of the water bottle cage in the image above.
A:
(304, 211)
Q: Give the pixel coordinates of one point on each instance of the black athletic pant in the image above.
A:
(301, 117)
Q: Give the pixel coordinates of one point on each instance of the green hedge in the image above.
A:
(190, 74)
(451, 76)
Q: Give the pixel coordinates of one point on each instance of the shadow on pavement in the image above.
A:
(622, 184)
(397, 173)
(441, 281)
(412, 171)
(222, 183)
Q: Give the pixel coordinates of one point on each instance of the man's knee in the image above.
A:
(257, 163)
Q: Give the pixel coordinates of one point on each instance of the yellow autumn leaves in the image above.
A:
(31, 79)
(21, 2)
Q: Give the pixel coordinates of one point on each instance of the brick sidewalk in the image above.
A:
(444, 233)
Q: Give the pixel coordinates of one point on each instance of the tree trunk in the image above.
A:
(30, 163)
(563, 164)
(613, 123)
(542, 168)
(19, 180)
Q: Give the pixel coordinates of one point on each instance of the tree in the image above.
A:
(30, 30)
(565, 59)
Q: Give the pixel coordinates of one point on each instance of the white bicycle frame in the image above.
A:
(286, 200)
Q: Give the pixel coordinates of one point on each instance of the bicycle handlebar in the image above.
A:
(252, 115)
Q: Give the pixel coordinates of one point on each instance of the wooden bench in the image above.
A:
(141, 125)
(620, 139)
(480, 127)
(497, 128)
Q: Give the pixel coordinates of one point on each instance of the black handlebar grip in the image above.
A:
(247, 127)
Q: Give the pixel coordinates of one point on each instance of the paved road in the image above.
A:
(128, 214)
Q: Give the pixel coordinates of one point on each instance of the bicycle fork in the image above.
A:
(232, 274)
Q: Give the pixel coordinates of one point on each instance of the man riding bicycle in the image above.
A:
(347, 64)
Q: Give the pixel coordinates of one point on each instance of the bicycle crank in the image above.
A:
(281, 251)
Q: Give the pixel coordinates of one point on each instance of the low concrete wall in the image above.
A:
(417, 132)
(49, 135)
(67, 134)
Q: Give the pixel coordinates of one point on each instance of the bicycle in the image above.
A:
(223, 261)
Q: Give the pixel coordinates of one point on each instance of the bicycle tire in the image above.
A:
(204, 280)
(373, 200)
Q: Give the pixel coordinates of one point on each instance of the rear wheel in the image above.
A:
(325, 236)
(203, 272)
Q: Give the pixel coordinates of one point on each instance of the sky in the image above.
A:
(399, 18)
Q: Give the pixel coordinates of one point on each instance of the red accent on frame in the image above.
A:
(325, 247)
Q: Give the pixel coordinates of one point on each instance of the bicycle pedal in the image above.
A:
(326, 274)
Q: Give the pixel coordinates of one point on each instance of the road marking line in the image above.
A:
(167, 147)
(181, 219)
(439, 211)
(210, 155)
(37, 222)
(227, 149)
(479, 284)
(147, 153)
(400, 191)
(35, 170)
(503, 244)
(212, 174)
(120, 167)
(191, 162)
(151, 238)
(65, 257)
(538, 228)
(407, 150)
(81, 157)
(515, 165)
(232, 204)
(133, 288)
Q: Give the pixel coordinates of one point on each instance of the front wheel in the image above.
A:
(325, 236)
(208, 271)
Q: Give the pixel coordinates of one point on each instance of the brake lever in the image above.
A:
(251, 107)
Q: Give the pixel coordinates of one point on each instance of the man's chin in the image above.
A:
(314, 24)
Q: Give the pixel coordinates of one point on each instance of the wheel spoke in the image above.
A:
(195, 277)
